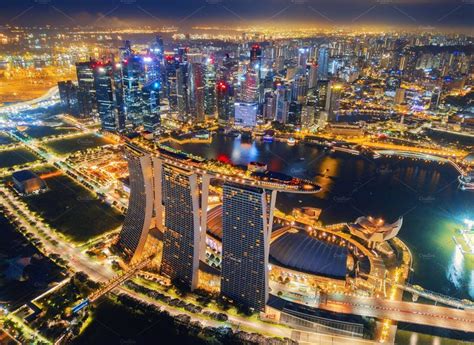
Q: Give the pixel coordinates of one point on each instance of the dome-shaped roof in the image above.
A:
(301, 252)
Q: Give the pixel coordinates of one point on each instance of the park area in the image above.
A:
(39, 132)
(5, 139)
(14, 157)
(72, 209)
(77, 143)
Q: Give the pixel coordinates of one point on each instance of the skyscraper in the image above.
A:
(256, 59)
(119, 95)
(196, 92)
(245, 114)
(133, 81)
(108, 84)
(210, 88)
(332, 100)
(282, 104)
(313, 76)
(104, 90)
(250, 87)
(269, 106)
(323, 63)
(182, 92)
(299, 88)
(170, 86)
(181, 238)
(225, 103)
(68, 95)
(246, 234)
(85, 90)
(140, 206)
(151, 106)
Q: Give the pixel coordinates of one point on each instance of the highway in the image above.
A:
(416, 313)
(409, 312)
(78, 260)
(44, 100)
(247, 324)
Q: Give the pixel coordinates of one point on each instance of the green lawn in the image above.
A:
(123, 321)
(47, 131)
(5, 139)
(10, 158)
(82, 142)
(73, 210)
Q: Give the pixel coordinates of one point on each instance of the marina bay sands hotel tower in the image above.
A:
(169, 191)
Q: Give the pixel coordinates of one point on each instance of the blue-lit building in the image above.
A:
(151, 106)
(323, 63)
(133, 77)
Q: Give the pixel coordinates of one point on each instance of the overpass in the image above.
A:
(424, 156)
(119, 279)
(409, 312)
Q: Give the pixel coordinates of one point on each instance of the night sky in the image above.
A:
(415, 13)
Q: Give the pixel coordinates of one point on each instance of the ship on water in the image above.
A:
(467, 181)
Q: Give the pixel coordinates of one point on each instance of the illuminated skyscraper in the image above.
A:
(85, 91)
(250, 87)
(181, 238)
(299, 88)
(256, 59)
(151, 106)
(196, 92)
(182, 91)
(132, 80)
(313, 76)
(68, 95)
(170, 81)
(210, 88)
(140, 206)
(225, 103)
(246, 231)
(332, 100)
(269, 106)
(105, 95)
(323, 63)
(109, 95)
(282, 104)
(245, 114)
(119, 95)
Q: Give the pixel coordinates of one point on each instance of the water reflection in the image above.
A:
(353, 186)
(455, 269)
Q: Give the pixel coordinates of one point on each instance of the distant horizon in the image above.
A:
(439, 14)
(362, 28)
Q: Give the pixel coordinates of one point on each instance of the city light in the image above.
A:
(211, 173)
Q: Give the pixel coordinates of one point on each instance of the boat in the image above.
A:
(257, 167)
(467, 181)
(291, 141)
(268, 138)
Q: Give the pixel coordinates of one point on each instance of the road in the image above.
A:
(410, 312)
(78, 260)
(46, 99)
(417, 313)
(257, 326)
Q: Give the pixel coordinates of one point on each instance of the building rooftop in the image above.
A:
(24, 175)
(299, 251)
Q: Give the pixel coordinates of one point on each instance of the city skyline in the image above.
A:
(220, 172)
